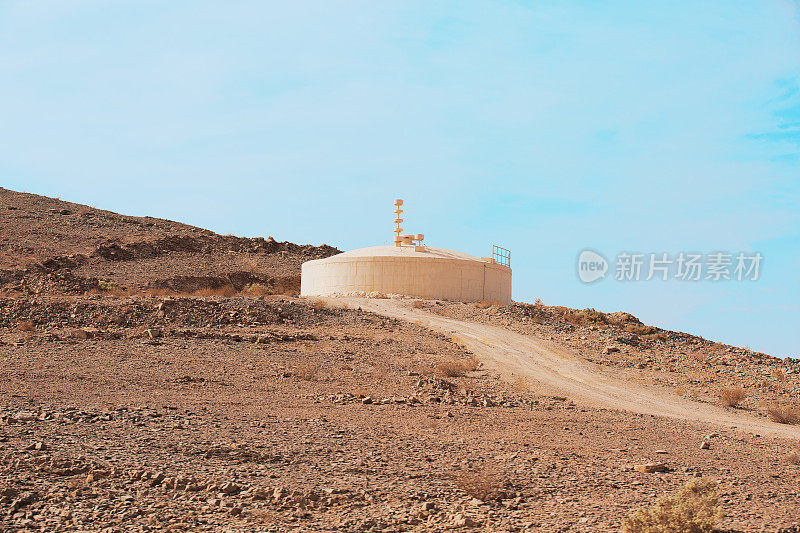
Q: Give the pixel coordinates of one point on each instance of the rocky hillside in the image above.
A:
(48, 246)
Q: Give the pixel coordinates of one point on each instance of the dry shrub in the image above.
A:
(421, 369)
(521, 385)
(680, 390)
(256, 289)
(457, 367)
(111, 288)
(779, 375)
(485, 484)
(319, 305)
(226, 291)
(592, 315)
(485, 304)
(641, 330)
(732, 396)
(26, 325)
(693, 510)
(417, 304)
(287, 285)
(572, 317)
(450, 369)
(793, 457)
(538, 302)
(783, 414)
(471, 363)
(307, 372)
(456, 339)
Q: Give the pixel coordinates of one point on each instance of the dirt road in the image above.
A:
(556, 369)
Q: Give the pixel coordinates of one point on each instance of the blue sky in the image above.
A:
(547, 127)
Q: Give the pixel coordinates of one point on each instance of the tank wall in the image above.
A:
(445, 279)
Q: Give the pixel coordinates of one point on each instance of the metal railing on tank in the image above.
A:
(501, 256)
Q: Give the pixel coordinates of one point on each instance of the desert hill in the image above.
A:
(49, 246)
(160, 377)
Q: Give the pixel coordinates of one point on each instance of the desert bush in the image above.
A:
(572, 317)
(521, 385)
(256, 289)
(641, 330)
(305, 372)
(592, 315)
(485, 304)
(450, 369)
(457, 367)
(107, 285)
(486, 484)
(732, 396)
(783, 414)
(793, 457)
(286, 285)
(779, 375)
(694, 509)
(319, 305)
(26, 325)
(421, 369)
(538, 302)
(471, 363)
(418, 304)
(225, 291)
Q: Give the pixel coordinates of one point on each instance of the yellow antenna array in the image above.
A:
(397, 220)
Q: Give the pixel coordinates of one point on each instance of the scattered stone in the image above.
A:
(24, 416)
(705, 445)
(229, 488)
(157, 479)
(651, 468)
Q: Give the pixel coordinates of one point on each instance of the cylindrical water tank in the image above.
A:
(413, 271)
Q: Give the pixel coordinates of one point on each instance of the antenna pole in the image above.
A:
(397, 220)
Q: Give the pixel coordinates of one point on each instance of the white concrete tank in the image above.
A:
(415, 270)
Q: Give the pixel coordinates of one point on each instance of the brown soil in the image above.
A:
(53, 247)
(266, 412)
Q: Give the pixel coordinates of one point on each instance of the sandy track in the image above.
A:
(558, 370)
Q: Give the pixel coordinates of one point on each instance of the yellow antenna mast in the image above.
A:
(397, 220)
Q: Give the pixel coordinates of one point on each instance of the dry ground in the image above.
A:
(129, 401)
(258, 409)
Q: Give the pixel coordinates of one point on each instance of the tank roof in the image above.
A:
(430, 252)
